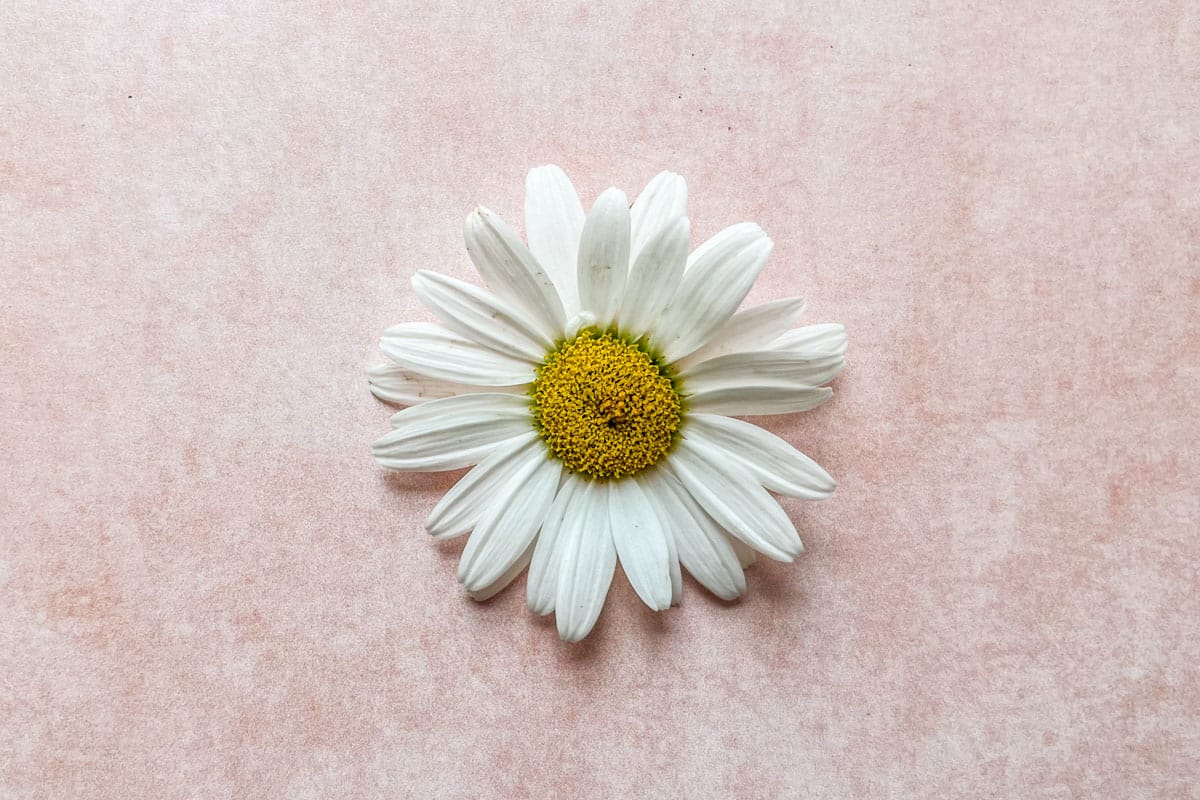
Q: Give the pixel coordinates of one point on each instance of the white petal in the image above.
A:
(481, 316)
(774, 367)
(553, 222)
(604, 256)
(588, 558)
(773, 462)
(827, 337)
(512, 272)
(542, 583)
(460, 508)
(704, 549)
(672, 551)
(662, 201)
(434, 351)
(453, 432)
(759, 398)
(731, 495)
(641, 543)
(488, 592)
(718, 276)
(395, 384)
(654, 277)
(510, 522)
(745, 553)
(754, 328)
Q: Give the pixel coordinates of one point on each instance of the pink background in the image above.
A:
(209, 214)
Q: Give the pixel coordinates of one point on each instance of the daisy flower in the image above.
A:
(593, 386)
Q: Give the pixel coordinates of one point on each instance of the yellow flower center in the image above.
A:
(604, 406)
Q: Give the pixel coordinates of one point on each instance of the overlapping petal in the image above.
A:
(641, 543)
(461, 508)
(481, 316)
(604, 256)
(509, 522)
(512, 272)
(717, 278)
(773, 462)
(553, 224)
(395, 384)
(586, 559)
(452, 433)
(754, 328)
(430, 349)
(663, 201)
(733, 497)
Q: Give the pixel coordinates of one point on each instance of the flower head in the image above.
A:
(590, 386)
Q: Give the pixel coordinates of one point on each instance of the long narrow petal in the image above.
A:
(829, 337)
(393, 383)
(773, 462)
(553, 223)
(510, 523)
(663, 200)
(768, 366)
(452, 433)
(501, 583)
(704, 548)
(731, 495)
(754, 328)
(434, 351)
(641, 543)
(718, 276)
(481, 316)
(460, 509)
(672, 552)
(588, 558)
(604, 256)
(758, 398)
(654, 277)
(542, 583)
(512, 272)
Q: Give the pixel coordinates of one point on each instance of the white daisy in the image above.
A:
(591, 385)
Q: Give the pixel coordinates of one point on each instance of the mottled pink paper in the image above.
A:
(209, 213)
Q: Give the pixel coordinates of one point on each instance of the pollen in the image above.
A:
(605, 407)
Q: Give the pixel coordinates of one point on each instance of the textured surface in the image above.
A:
(208, 215)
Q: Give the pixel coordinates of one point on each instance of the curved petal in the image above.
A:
(586, 563)
(718, 276)
(654, 277)
(731, 495)
(827, 337)
(663, 200)
(434, 351)
(745, 553)
(754, 328)
(480, 316)
(703, 547)
(452, 433)
(773, 462)
(641, 543)
(542, 583)
(393, 383)
(501, 583)
(758, 398)
(510, 522)
(784, 368)
(604, 256)
(553, 223)
(460, 509)
(512, 272)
